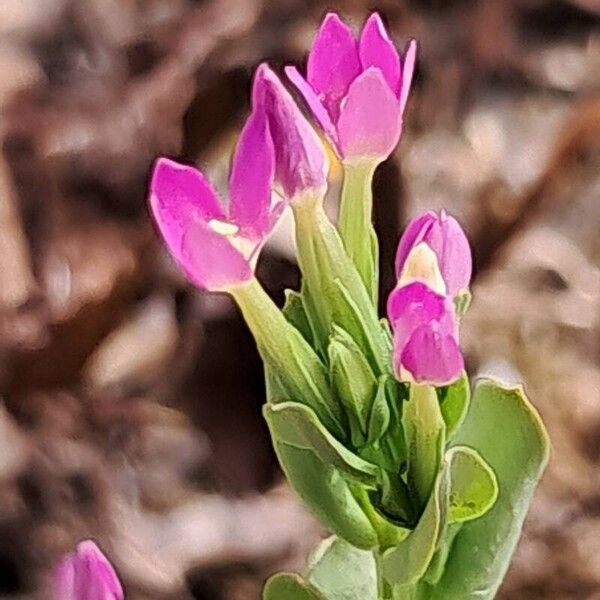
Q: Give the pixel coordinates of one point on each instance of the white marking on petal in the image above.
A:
(422, 265)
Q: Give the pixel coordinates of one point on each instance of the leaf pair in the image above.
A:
(465, 489)
(500, 450)
(336, 571)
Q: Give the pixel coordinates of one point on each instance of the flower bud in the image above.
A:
(301, 165)
(353, 378)
(86, 574)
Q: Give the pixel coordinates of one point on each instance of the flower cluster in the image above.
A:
(371, 418)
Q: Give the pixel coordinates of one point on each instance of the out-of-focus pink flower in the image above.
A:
(218, 249)
(425, 335)
(86, 574)
(301, 164)
(357, 89)
(445, 237)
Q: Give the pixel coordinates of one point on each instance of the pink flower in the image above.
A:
(425, 335)
(86, 574)
(357, 89)
(449, 243)
(218, 248)
(301, 164)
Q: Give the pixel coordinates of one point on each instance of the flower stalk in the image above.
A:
(283, 349)
(355, 223)
(425, 433)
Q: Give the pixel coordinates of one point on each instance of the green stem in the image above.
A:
(355, 222)
(283, 349)
(425, 431)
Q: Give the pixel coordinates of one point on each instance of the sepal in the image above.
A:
(454, 404)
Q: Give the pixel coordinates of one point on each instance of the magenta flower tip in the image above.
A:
(86, 574)
(444, 235)
(425, 330)
(301, 164)
(408, 70)
(377, 50)
(341, 101)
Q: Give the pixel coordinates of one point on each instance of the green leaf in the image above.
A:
(473, 485)
(405, 564)
(323, 489)
(289, 586)
(336, 571)
(386, 445)
(464, 489)
(295, 312)
(454, 404)
(284, 350)
(327, 494)
(297, 425)
(334, 286)
(340, 571)
(437, 565)
(509, 435)
(473, 490)
(362, 324)
(387, 333)
(352, 378)
(393, 500)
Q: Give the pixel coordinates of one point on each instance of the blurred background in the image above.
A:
(131, 403)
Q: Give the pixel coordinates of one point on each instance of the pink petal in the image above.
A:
(413, 235)
(449, 242)
(211, 261)
(179, 196)
(251, 179)
(425, 334)
(86, 575)
(408, 69)
(369, 125)
(64, 579)
(377, 50)
(316, 106)
(432, 356)
(333, 63)
(300, 160)
(413, 305)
